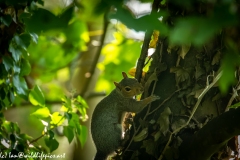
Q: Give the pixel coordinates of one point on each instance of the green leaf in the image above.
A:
(25, 67)
(192, 30)
(52, 144)
(57, 119)
(67, 102)
(68, 132)
(83, 135)
(36, 97)
(16, 53)
(7, 127)
(25, 40)
(20, 86)
(82, 101)
(51, 134)
(44, 20)
(147, 22)
(34, 37)
(8, 62)
(236, 105)
(229, 62)
(6, 19)
(74, 121)
(16, 68)
(22, 41)
(41, 113)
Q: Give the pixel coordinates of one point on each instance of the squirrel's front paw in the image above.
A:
(154, 97)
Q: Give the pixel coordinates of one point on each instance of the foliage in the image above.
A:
(23, 24)
(31, 34)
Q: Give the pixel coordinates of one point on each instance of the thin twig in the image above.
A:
(35, 140)
(163, 102)
(193, 111)
(96, 58)
(234, 95)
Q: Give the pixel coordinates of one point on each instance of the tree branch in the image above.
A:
(96, 58)
(212, 136)
(147, 39)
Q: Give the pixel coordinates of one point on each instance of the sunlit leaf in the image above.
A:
(82, 101)
(57, 119)
(36, 96)
(41, 113)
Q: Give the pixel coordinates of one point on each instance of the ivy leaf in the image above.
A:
(216, 58)
(6, 20)
(68, 132)
(25, 40)
(16, 53)
(163, 120)
(141, 136)
(34, 37)
(180, 73)
(8, 62)
(25, 67)
(184, 50)
(20, 85)
(41, 113)
(20, 42)
(36, 97)
(150, 146)
(16, 68)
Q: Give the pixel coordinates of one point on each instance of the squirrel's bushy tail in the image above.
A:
(100, 156)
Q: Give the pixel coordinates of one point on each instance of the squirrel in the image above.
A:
(106, 120)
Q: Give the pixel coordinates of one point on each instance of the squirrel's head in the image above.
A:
(128, 87)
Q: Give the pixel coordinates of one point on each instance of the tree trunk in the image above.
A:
(177, 124)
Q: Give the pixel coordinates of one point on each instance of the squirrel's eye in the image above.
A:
(127, 89)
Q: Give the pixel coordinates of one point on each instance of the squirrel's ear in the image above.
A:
(124, 75)
(117, 85)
